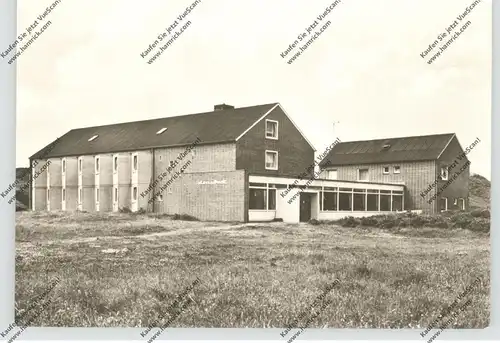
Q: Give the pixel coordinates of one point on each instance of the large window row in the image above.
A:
(262, 196)
(349, 199)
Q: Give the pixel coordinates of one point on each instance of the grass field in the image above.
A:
(125, 270)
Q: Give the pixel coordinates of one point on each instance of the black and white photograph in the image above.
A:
(286, 165)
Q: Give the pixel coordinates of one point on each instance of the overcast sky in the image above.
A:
(364, 71)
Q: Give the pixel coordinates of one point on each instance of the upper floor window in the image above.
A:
(64, 166)
(397, 170)
(386, 170)
(271, 129)
(271, 160)
(362, 174)
(97, 165)
(444, 173)
(331, 174)
(135, 162)
(115, 163)
(80, 165)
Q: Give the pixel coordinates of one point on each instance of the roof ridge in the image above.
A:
(182, 115)
(389, 138)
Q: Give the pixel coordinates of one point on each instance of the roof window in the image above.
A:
(93, 137)
(161, 131)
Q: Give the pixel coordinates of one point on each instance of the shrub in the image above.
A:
(125, 209)
(313, 222)
(185, 217)
(369, 221)
(486, 213)
(141, 211)
(350, 222)
(476, 213)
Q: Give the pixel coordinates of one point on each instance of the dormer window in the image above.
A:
(271, 129)
(93, 137)
(161, 131)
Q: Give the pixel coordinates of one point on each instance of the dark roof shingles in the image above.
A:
(209, 127)
(403, 149)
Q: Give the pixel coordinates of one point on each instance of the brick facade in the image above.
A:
(295, 155)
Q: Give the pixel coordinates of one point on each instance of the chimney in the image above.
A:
(222, 107)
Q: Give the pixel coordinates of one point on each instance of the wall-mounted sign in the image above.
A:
(212, 182)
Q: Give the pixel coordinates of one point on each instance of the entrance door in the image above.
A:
(305, 207)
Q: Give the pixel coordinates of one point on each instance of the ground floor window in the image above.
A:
(328, 201)
(345, 201)
(397, 202)
(443, 204)
(359, 202)
(354, 199)
(461, 204)
(134, 193)
(262, 197)
(372, 202)
(257, 199)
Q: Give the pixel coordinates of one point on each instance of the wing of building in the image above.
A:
(229, 164)
(433, 168)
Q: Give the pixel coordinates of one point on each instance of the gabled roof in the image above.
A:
(210, 127)
(402, 149)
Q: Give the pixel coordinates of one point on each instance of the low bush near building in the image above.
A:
(474, 221)
(185, 217)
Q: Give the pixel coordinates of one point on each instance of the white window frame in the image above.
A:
(48, 195)
(63, 165)
(97, 164)
(446, 205)
(115, 195)
(135, 193)
(159, 197)
(63, 194)
(328, 171)
(80, 165)
(444, 177)
(80, 195)
(396, 171)
(463, 203)
(115, 166)
(277, 127)
(367, 174)
(169, 190)
(265, 159)
(93, 137)
(388, 170)
(135, 166)
(97, 195)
